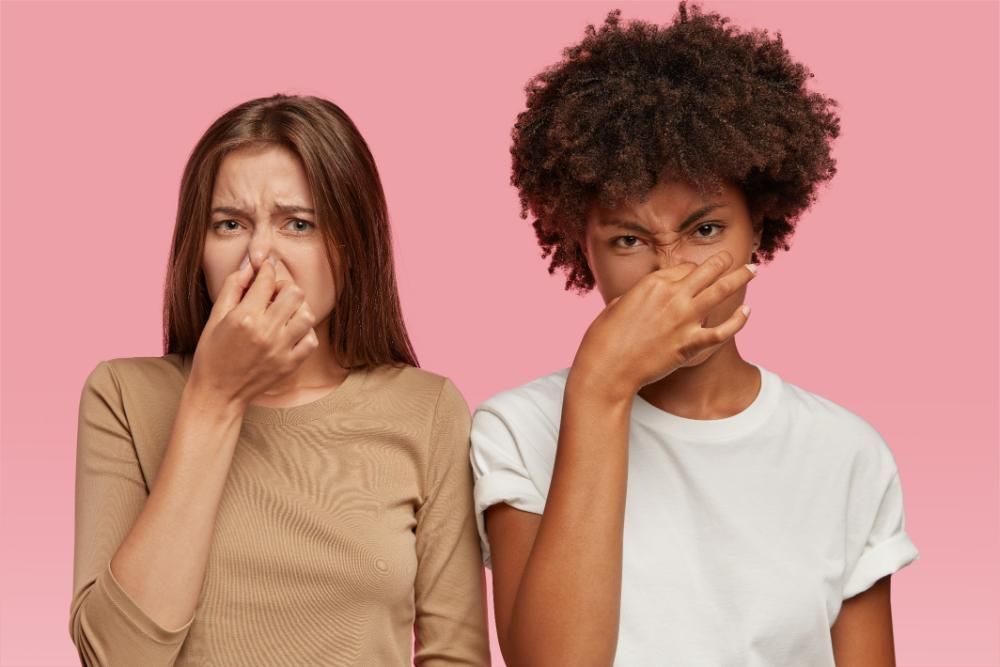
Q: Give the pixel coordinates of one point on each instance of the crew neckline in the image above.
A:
(297, 414)
(713, 430)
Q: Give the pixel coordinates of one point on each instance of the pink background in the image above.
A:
(887, 303)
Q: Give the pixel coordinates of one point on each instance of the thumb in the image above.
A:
(232, 290)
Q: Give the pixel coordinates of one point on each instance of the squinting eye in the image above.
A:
(707, 225)
(306, 222)
(219, 224)
(630, 241)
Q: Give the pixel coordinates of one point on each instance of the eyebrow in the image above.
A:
(278, 208)
(688, 221)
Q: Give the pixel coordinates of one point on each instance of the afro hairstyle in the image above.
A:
(697, 99)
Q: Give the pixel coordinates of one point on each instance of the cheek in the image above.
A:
(733, 241)
(615, 274)
(314, 275)
(213, 266)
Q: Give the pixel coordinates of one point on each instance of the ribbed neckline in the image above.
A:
(297, 414)
(713, 430)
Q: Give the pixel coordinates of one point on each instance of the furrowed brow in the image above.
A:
(699, 214)
(278, 209)
(688, 221)
(627, 225)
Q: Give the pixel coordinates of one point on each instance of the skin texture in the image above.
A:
(255, 182)
(261, 334)
(862, 635)
(557, 577)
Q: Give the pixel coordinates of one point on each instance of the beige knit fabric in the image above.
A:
(346, 525)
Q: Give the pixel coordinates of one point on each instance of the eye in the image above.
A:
(626, 241)
(707, 226)
(304, 222)
(219, 224)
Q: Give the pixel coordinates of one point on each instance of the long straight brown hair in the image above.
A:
(366, 326)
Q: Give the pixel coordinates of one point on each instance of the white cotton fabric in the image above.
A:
(743, 535)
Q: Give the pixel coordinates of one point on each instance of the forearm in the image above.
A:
(162, 560)
(567, 605)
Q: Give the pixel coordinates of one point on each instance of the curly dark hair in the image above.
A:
(696, 99)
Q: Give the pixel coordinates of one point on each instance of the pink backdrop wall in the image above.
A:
(887, 302)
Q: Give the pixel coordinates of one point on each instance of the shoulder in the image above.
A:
(525, 417)
(413, 390)
(138, 374)
(834, 425)
(538, 401)
(135, 394)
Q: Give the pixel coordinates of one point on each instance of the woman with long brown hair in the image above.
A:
(284, 485)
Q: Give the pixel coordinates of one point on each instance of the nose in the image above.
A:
(260, 247)
(669, 255)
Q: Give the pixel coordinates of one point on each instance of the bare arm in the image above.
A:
(557, 577)
(557, 591)
(862, 634)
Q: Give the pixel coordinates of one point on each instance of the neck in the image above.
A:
(721, 386)
(319, 370)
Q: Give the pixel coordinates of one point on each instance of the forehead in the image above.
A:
(249, 176)
(676, 197)
(669, 203)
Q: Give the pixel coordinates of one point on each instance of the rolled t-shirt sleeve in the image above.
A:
(878, 544)
(500, 472)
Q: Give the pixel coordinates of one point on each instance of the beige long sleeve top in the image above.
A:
(345, 527)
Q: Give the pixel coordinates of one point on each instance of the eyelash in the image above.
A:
(222, 222)
(614, 241)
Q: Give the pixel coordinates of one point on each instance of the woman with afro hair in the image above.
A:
(664, 501)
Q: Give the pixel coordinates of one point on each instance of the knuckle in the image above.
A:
(717, 262)
(257, 338)
(716, 293)
(689, 348)
(244, 322)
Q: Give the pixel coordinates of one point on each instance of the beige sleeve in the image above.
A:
(451, 626)
(106, 625)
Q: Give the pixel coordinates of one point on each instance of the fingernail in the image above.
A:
(246, 260)
(273, 260)
(752, 267)
(746, 309)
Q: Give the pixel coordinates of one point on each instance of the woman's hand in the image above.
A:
(251, 341)
(656, 326)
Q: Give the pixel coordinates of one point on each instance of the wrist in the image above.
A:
(198, 397)
(591, 386)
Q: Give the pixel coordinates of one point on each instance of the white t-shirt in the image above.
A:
(743, 535)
